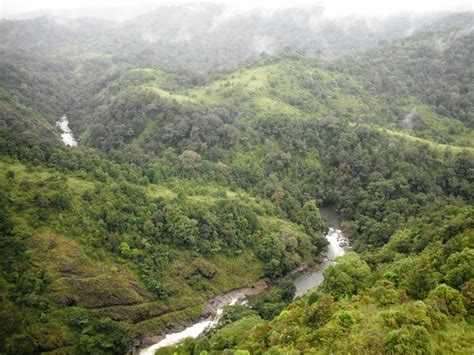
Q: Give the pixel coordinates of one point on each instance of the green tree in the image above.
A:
(421, 279)
(181, 229)
(349, 275)
(459, 268)
(410, 340)
(190, 159)
(448, 300)
(104, 336)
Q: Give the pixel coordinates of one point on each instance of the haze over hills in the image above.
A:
(209, 35)
(207, 142)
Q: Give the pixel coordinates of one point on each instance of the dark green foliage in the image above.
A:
(420, 279)
(321, 311)
(271, 302)
(427, 65)
(313, 297)
(102, 336)
(5, 223)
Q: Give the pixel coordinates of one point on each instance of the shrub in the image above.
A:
(409, 340)
(448, 300)
(346, 318)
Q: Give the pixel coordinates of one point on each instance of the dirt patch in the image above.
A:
(221, 300)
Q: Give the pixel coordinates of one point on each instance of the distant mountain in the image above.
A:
(209, 35)
(435, 65)
(203, 36)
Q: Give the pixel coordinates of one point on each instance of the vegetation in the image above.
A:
(400, 299)
(188, 184)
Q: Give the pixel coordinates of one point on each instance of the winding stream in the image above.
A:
(338, 246)
(304, 281)
(66, 133)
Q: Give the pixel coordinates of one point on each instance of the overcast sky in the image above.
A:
(10, 8)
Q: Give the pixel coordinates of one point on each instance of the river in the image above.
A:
(338, 246)
(304, 281)
(66, 133)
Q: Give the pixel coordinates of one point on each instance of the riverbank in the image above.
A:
(212, 307)
(306, 277)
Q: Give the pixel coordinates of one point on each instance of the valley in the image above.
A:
(305, 279)
(167, 173)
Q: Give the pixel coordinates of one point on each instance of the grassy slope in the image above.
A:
(432, 145)
(293, 90)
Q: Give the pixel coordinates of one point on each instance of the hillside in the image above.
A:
(104, 247)
(288, 89)
(207, 36)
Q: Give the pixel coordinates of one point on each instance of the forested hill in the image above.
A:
(417, 86)
(190, 183)
(405, 298)
(436, 67)
(29, 107)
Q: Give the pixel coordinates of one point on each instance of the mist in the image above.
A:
(126, 9)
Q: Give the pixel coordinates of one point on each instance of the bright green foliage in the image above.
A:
(347, 277)
(346, 318)
(179, 228)
(409, 340)
(449, 300)
(313, 223)
(459, 268)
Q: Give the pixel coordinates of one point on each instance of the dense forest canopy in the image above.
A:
(206, 145)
